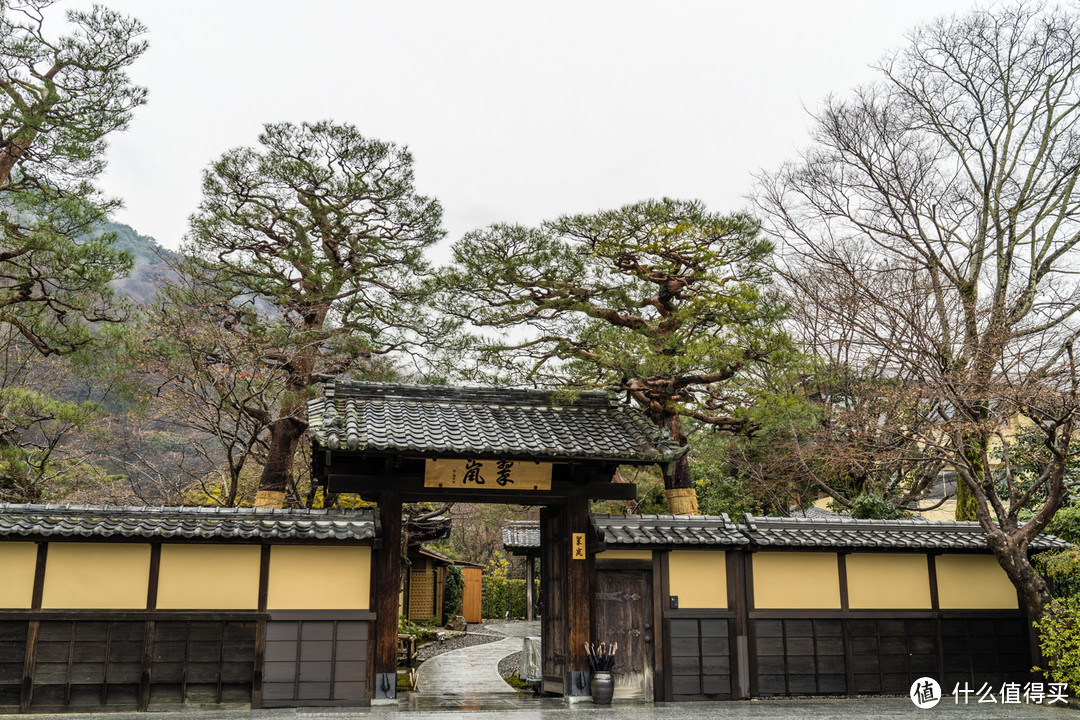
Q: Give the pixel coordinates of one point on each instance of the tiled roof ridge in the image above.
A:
(830, 523)
(768, 531)
(673, 519)
(164, 510)
(467, 394)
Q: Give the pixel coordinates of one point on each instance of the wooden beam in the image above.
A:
(412, 489)
(578, 594)
(737, 561)
(660, 639)
(386, 572)
(26, 691)
(260, 629)
(148, 628)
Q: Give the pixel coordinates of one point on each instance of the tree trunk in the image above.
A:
(678, 489)
(966, 502)
(1034, 592)
(285, 434)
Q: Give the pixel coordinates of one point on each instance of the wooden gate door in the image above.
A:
(624, 614)
(472, 595)
(554, 551)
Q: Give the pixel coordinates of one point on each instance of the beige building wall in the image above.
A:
(698, 578)
(209, 577)
(96, 576)
(892, 581)
(794, 580)
(973, 582)
(18, 561)
(319, 578)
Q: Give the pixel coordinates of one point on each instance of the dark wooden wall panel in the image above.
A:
(883, 655)
(698, 659)
(798, 656)
(315, 662)
(890, 654)
(990, 650)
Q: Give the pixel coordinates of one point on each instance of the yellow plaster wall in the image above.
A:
(789, 580)
(96, 576)
(698, 578)
(209, 577)
(973, 582)
(17, 563)
(319, 578)
(626, 555)
(888, 581)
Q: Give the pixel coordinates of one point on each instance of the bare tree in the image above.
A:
(944, 198)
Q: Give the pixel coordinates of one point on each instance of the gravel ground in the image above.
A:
(454, 642)
(510, 665)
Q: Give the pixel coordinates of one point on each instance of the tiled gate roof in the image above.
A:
(484, 422)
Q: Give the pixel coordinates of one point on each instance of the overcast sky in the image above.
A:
(514, 112)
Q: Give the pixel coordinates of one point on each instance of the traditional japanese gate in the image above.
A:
(395, 444)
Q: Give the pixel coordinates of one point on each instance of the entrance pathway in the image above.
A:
(854, 709)
(473, 670)
(469, 670)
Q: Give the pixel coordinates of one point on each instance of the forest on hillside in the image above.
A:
(901, 298)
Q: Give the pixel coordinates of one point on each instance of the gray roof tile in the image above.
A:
(668, 530)
(429, 420)
(521, 535)
(777, 532)
(845, 532)
(202, 523)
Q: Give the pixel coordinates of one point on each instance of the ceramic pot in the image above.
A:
(603, 687)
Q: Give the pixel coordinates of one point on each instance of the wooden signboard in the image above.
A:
(579, 546)
(487, 474)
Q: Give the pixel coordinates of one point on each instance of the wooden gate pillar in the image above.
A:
(386, 586)
(579, 596)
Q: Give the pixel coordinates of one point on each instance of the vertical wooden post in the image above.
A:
(737, 600)
(529, 560)
(148, 628)
(386, 574)
(660, 635)
(260, 628)
(579, 597)
(26, 692)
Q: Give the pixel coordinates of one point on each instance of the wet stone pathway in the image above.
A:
(473, 670)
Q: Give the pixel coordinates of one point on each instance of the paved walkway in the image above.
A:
(467, 671)
(473, 670)
(855, 709)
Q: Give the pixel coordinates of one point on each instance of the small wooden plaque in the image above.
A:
(578, 543)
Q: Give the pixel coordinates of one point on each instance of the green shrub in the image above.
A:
(423, 634)
(455, 585)
(1062, 568)
(1066, 523)
(1059, 640)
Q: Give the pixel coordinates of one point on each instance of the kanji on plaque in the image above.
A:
(499, 474)
(578, 540)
